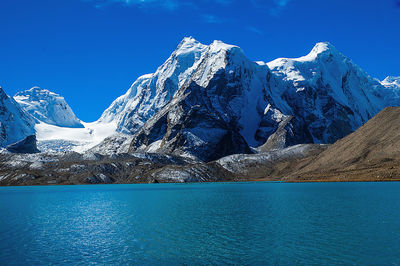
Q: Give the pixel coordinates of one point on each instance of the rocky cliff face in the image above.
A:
(27, 145)
(15, 124)
(326, 93)
(47, 107)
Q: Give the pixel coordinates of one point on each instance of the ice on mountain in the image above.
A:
(47, 107)
(15, 123)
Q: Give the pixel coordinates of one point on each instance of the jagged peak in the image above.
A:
(319, 50)
(189, 44)
(218, 45)
(323, 47)
(188, 40)
(36, 91)
(391, 80)
(2, 92)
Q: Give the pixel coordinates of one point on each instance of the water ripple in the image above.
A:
(230, 223)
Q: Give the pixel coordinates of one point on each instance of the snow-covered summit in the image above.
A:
(391, 81)
(320, 49)
(47, 107)
(390, 91)
(328, 87)
(218, 45)
(15, 124)
(188, 45)
(151, 92)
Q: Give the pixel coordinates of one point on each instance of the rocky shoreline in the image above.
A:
(94, 168)
(369, 154)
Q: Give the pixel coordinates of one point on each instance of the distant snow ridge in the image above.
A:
(392, 82)
(47, 107)
(391, 91)
(15, 124)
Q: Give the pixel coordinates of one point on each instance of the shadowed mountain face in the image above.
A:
(191, 126)
(15, 124)
(27, 145)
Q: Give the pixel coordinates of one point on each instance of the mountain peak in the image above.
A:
(36, 91)
(391, 81)
(189, 44)
(218, 45)
(37, 88)
(48, 107)
(2, 92)
(322, 47)
(187, 40)
(320, 50)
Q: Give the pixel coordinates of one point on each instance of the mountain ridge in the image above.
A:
(317, 98)
(324, 92)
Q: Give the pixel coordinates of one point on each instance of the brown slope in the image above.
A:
(370, 153)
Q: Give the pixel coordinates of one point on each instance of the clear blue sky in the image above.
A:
(90, 51)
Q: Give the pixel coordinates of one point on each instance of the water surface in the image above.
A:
(242, 223)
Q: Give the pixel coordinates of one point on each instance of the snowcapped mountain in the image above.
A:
(325, 92)
(47, 107)
(57, 128)
(216, 112)
(209, 101)
(149, 93)
(390, 92)
(393, 82)
(15, 124)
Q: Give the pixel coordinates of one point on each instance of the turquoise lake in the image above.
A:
(218, 223)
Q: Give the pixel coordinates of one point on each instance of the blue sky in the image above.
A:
(90, 51)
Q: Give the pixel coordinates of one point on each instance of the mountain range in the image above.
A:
(209, 101)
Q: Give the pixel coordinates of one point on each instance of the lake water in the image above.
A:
(241, 223)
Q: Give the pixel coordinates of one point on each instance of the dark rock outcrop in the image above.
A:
(27, 145)
(191, 126)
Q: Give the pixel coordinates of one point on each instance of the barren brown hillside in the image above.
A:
(370, 153)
